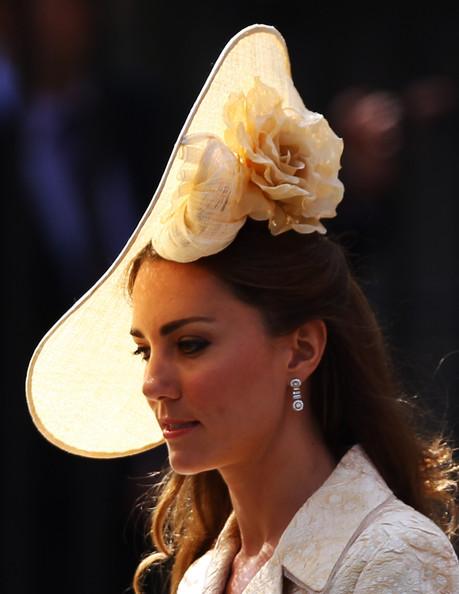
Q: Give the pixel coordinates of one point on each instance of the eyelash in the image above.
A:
(141, 350)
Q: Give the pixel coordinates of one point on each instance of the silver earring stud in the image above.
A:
(297, 403)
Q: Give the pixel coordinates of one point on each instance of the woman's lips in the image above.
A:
(173, 428)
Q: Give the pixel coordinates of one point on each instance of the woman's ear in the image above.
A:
(307, 347)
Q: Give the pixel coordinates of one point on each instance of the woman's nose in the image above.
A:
(159, 382)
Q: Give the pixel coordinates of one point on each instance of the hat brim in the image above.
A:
(83, 386)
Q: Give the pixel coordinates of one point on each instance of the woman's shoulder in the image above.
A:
(400, 523)
(392, 524)
(400, 550)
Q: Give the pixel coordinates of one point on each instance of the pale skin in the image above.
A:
(231, 379)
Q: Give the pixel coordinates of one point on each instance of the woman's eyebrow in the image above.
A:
(174, 325)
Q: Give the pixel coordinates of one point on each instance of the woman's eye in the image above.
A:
(191, 346)
(188, 347)
(144, 351)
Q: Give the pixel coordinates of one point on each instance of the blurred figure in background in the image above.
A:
(76, 179)
(82, 143)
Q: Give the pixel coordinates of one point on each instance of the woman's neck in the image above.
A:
(267, 491)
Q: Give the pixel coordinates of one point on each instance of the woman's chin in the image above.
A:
(187, 464)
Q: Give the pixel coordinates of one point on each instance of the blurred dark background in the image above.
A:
(93, 95)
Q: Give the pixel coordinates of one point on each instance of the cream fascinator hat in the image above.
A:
(249, 148)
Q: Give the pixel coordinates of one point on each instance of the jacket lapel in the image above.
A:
(269, 578)
(222, 555)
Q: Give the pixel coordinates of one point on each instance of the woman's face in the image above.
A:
(218, 385)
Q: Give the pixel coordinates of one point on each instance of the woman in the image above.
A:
(296, 465)
(349, 468)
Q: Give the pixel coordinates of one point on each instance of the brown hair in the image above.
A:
(355, 396)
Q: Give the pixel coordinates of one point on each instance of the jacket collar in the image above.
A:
(317, 535)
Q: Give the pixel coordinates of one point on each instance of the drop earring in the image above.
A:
(297, 403)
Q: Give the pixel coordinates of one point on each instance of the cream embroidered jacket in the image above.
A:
(351, 535)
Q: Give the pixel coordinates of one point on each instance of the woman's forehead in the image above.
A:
(180, 288)
(168, 277)
(168, 290)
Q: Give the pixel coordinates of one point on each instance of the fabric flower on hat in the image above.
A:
(274, 163)
(292, 159)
